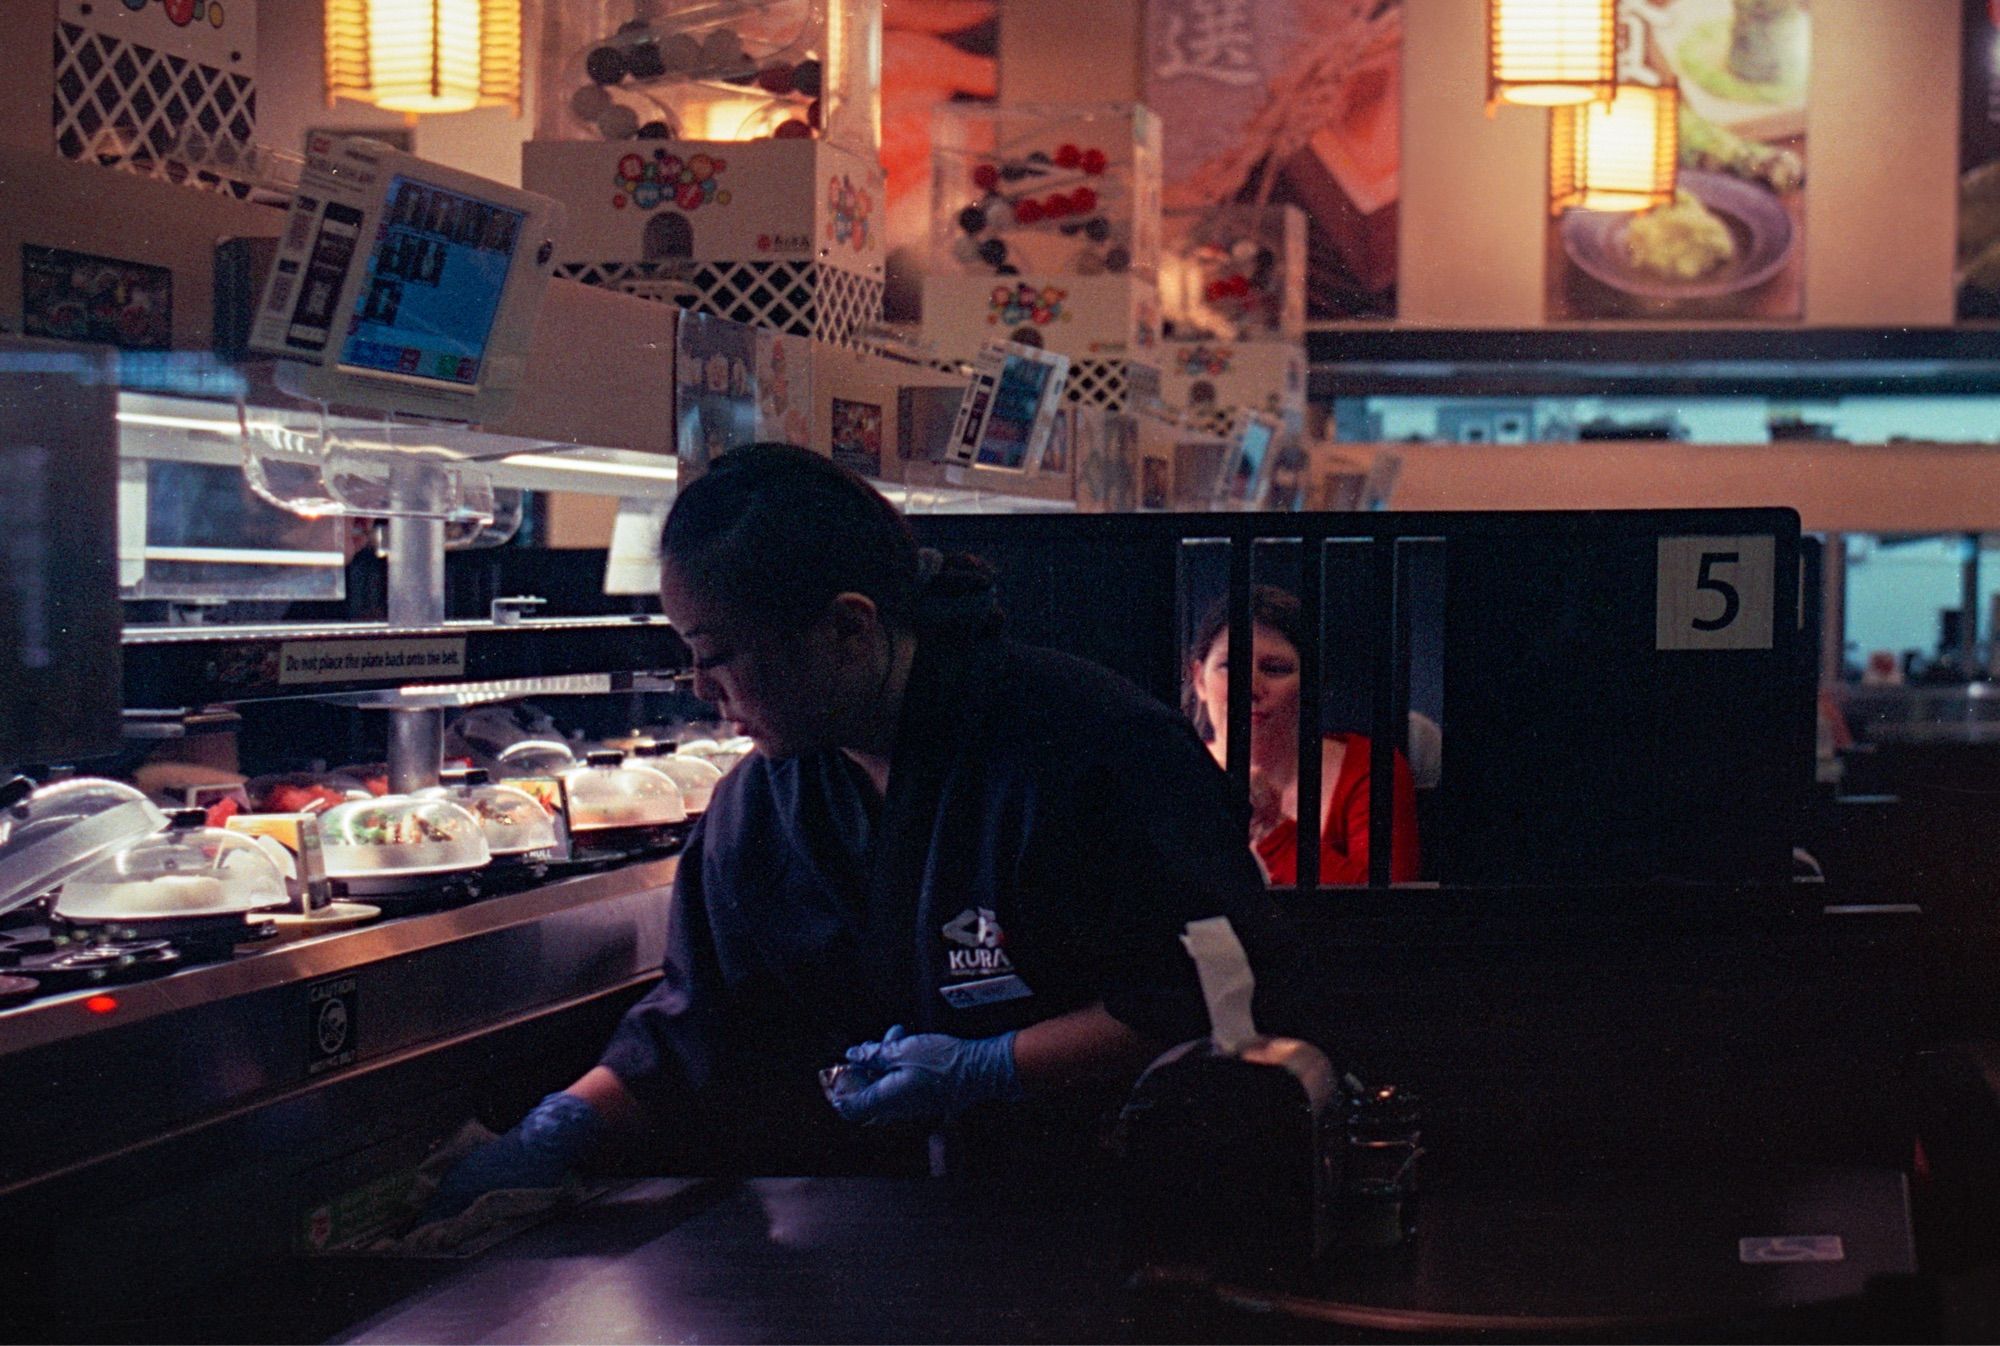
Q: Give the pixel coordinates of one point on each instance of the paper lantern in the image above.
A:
(424, 55)
(1547, 53)
(1621, 155)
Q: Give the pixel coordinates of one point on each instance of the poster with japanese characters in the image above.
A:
(1289, 102)
(1977, 277)
(933, 51)
(1731, 245)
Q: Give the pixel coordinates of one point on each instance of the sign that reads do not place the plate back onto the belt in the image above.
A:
(309, 661)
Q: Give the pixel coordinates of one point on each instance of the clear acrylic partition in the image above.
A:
(1336, 645)
(196, 532)
(717, 70)
(1062, 189)
(1233, 273)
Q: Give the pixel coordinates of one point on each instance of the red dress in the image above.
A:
(1343, 845)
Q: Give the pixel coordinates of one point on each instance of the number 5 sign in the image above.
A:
(1715, 593)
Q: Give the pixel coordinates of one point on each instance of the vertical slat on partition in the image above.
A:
(1382, 735)
(1240, 662)
(1312, 671)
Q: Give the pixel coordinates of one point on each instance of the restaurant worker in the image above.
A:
(956, 863)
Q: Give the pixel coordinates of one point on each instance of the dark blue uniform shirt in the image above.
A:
(1047, 833)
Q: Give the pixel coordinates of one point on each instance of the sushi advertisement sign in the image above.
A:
(1731, 245)
(1289, 102)
(1977, 277)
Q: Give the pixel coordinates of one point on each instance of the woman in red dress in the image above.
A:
(1275, 689)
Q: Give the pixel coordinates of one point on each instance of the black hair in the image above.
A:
(775, 532)
(1270, 607)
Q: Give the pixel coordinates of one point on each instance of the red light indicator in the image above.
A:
(101, 1004)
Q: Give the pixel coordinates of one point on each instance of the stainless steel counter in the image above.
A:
(211, 1112)
(551, 909)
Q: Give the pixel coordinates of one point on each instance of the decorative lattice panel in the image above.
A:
(1098, 383)
(1209, 417)
(849, 305)
(128, 106)
(801, 298)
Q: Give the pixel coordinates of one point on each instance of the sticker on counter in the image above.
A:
(358, 1217)
(1786, 1248)
(333, 1024)
(992, 991)
(1715, 593)
(306, 661)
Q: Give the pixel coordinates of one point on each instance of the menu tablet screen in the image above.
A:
(1010, 425)
(434, 282)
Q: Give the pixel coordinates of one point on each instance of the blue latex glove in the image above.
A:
(541, 1149)
(927, 1077)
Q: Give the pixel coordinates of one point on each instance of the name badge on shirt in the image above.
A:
(991, 991)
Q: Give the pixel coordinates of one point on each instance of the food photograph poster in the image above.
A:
(933, 51)
(1977, 275)
(1731, 245)
(1289, 102)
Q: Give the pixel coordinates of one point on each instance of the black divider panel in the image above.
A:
(1577, 751)
(1106, 594)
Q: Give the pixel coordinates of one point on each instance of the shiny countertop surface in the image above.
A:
(785, 1259)
(861, 1259)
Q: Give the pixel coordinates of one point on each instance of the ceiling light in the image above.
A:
(1547, 53)
(418, 56)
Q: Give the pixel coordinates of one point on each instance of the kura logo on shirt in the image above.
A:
(977, 935)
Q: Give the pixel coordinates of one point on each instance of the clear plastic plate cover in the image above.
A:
(181, 873)
(513, 821)
(60, 828)
(608, 794)
(536, 757)
(695, 776)
(400, 834)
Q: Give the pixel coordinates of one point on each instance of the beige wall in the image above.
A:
(1880, 221)
(1882, 154)
(1070, 51)
(1881, 136)
(58, 204)
(1834, 487)
(291, 97)
(290, 92)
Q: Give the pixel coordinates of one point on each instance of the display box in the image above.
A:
(1205, 381)
(737, 72)
(714, 398)
(1180, 467)
(166, 91)
(1335, 481)
(891, 421)
(1044, 189)
(1233, 273)
(595, 368)
(779, 234)
(785, 387)
(1077, 316)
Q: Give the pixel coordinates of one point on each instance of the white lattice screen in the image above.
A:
(1115, 385)
(126, 105)
(801, 298)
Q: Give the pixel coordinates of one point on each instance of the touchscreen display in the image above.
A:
(1011, 426)
(435, 278)
(1250, 462)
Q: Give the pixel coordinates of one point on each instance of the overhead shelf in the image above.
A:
(172, 668)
